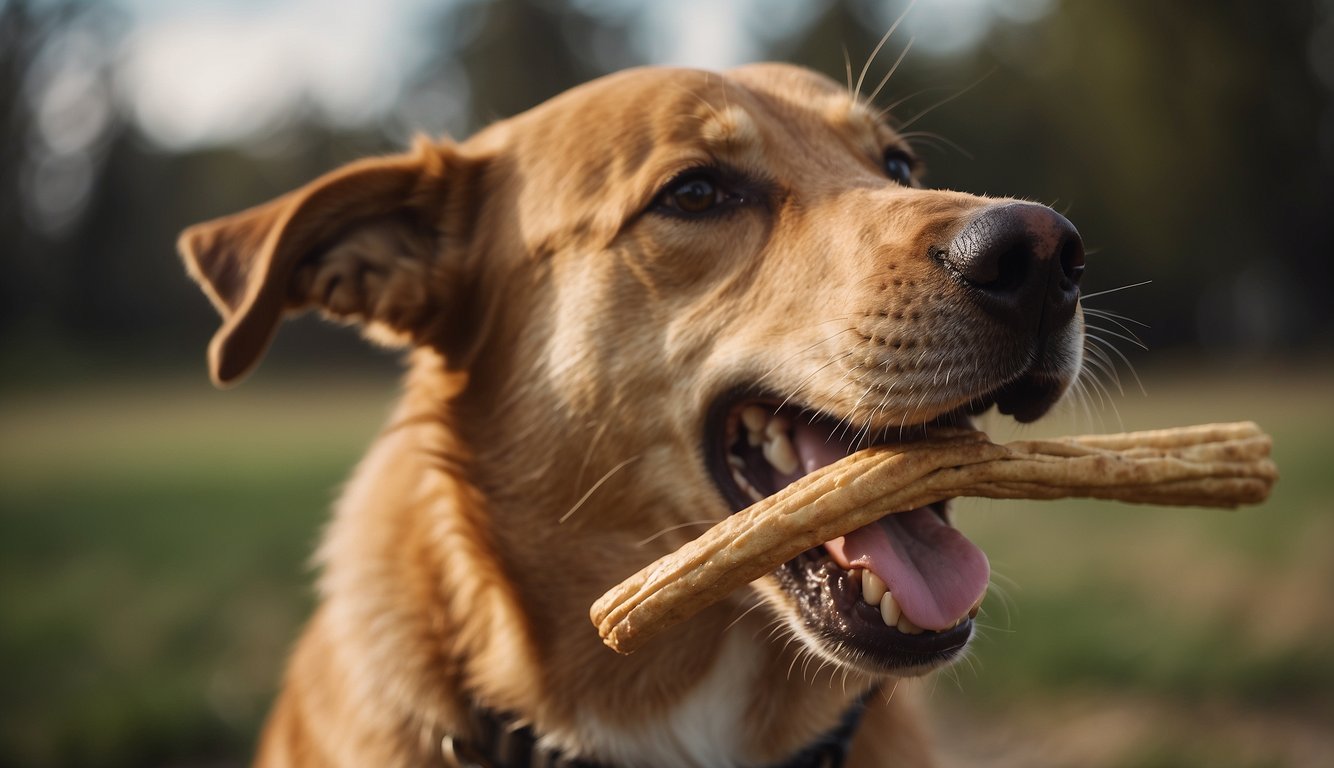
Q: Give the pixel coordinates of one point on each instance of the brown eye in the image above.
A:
(693, 195)
(898, 167)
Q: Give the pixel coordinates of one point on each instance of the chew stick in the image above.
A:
(1215, 465)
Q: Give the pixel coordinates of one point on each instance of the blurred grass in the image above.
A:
(1190, 623)
(154, 540)
(153, 560)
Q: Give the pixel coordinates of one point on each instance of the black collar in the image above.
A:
(504, 742)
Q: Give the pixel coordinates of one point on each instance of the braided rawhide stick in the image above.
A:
(1214, 465)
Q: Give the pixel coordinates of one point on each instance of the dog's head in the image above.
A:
(674, 292)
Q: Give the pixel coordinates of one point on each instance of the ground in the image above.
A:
(154, 541)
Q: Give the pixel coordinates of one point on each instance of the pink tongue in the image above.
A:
(935, 572)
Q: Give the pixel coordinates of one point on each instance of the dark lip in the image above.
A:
(831, 605)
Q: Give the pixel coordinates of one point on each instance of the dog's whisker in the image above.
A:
(856, 92)
(931, 144)
(1093, 330)
(1106, 344)
(595, 487)
(892, 70)
(893, 689)
(953, 672)
(935, 684)
(920, 136)
(795, 658)
(1098, 385)
(756, 602)
(1123, 337)
(813, 374)
(677, 527)
(945, 101)
(1094, 353)
(1114, 316)
(1000, 586)
(588, 455)
(888, 110)
(848, 421)
(847, 66)
(1080, 397)
(1098, 361)
(763, 378)
(1087, 296)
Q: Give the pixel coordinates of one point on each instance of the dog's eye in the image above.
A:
(693, 194)
(898, 166)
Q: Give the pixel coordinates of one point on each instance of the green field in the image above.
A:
(154, 540)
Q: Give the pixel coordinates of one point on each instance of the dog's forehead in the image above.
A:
(632, 117)
(590, 158)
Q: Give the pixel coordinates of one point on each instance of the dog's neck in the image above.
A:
(501, 739)
(717, 691)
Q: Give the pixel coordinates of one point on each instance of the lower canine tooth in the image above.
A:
(873, 587)
(906, 626)
(889, 609)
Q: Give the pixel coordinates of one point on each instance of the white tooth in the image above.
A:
(972, 612)
(889, 609)
(754, 418)
(779, 452)
(736, 462)
(777, 426)
(873, 587)
(906, 626)
(745, 486)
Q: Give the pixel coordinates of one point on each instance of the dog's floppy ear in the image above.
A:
(360, 243)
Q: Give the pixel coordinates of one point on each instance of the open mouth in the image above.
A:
(897, 595)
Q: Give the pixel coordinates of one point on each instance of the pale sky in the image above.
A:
(201, 72)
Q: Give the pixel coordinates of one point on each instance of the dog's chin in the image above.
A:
(896, 597)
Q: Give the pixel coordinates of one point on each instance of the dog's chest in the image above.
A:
(705, 728)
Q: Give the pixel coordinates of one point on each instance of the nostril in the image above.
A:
(1011, 270)
(1072, 259)
(1022, 263)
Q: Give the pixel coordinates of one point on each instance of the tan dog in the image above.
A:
(633, 309)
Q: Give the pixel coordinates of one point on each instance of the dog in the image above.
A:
(631, 311)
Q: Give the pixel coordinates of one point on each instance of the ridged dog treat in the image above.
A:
(1212, 465)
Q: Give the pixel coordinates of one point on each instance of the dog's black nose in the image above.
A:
(1023, 263)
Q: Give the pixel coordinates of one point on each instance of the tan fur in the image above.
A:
(563, 336)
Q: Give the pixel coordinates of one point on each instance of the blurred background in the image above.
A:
(154, 533)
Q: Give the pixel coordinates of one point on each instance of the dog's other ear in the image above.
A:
(360, 243)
